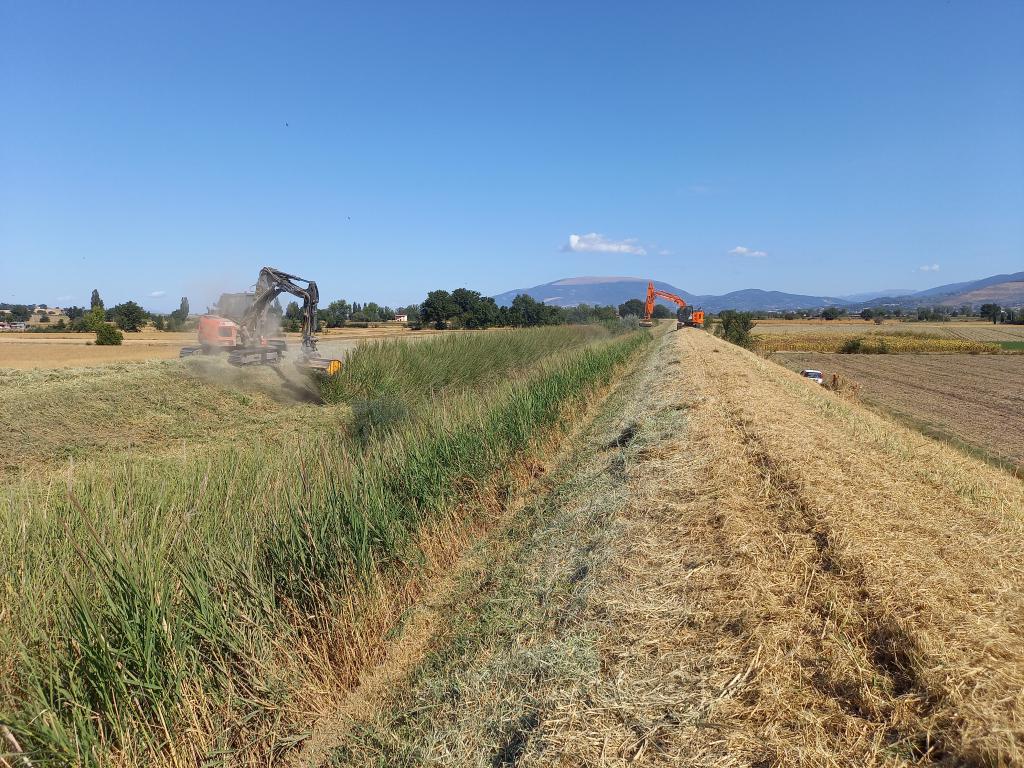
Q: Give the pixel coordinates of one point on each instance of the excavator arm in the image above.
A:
(271, 284)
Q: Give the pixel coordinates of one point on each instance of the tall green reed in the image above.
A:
(151, 585)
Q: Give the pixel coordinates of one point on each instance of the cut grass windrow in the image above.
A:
(171, 610)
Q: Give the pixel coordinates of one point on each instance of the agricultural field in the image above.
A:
(558, 546)
(77, 350)
(964, 336)
(975, 399)
(873, 342)
(967, 330)
(64, 415)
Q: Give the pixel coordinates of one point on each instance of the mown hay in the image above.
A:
(799, 581)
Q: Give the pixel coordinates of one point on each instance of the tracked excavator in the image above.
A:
(686, 316)
(242, 329)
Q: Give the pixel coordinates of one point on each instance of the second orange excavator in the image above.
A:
(686, 316)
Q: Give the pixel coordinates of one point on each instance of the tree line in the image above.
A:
(127, 316)
(464, 308)
(928, 313)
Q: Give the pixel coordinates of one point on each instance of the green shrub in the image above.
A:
(852, 346)
(108, 335)
(736, 327)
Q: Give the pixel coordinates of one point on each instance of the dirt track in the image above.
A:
(736, 569)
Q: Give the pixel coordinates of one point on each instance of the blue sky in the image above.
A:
(387, 149)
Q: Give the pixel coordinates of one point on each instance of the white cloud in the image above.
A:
(741, 250)
(595, 243)
(157, 294)
(929, 268)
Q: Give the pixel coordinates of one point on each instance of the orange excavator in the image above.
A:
(686, 316)
(250, 336)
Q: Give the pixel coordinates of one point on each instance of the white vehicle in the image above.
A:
(813, 375)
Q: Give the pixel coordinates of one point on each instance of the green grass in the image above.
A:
(161, 604)
(1012, 346)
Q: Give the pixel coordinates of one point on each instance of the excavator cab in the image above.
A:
(689, 318)
(217, 332)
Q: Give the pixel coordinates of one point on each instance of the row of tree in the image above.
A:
(463, 308)
(341, 312)
(127, 316)
(938, 312)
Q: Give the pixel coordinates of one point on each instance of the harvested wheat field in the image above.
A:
(974, 399)
(967, 330)
(732, 567)
(60, 416)
(78, 350)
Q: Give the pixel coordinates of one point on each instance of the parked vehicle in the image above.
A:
(813, 375)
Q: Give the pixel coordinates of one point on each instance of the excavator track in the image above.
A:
(269, 355)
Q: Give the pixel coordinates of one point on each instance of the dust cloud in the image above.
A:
(283, 383)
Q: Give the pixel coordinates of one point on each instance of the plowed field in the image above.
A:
(976, 399)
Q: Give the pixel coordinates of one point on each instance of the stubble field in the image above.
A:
(735, 568)
(75, 350)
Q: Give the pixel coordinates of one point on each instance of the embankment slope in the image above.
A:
(751, 571)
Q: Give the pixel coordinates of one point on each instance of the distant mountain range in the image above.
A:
(1007, 290)
(869, 295)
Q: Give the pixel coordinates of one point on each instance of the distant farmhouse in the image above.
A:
(40, 315)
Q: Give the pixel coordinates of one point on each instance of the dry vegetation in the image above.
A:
(977, 400)
(737, 569)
